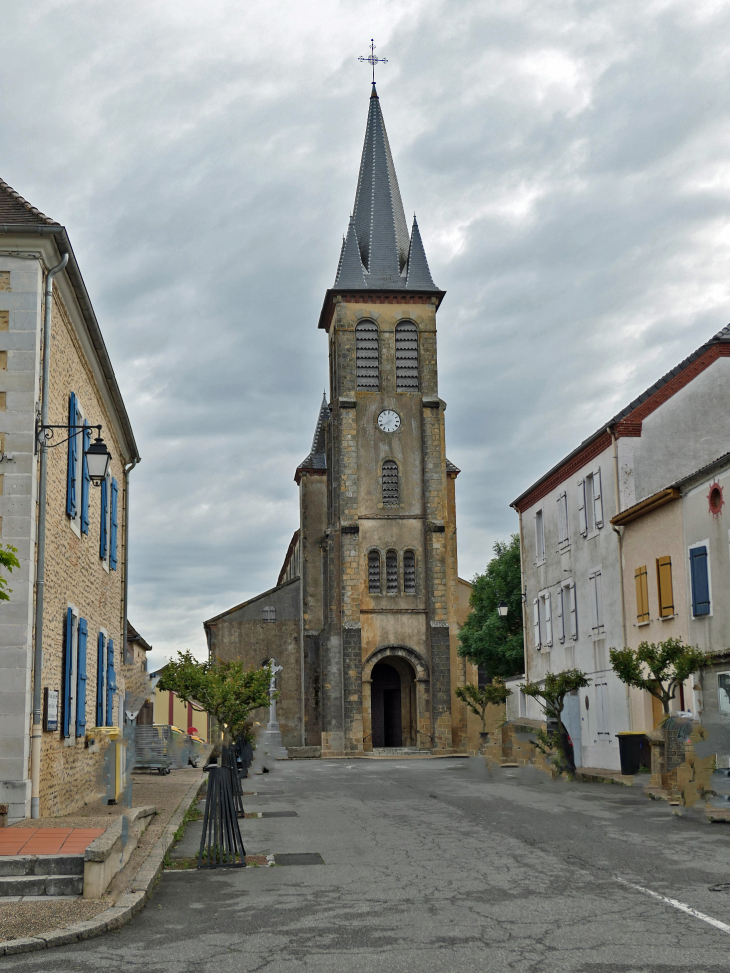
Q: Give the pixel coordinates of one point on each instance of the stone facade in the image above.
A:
(75, 575)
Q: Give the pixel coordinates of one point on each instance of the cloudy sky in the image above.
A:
(569, 163)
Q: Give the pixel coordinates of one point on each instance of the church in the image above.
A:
(365, 614)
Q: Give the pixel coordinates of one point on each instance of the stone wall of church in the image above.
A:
(243, 634)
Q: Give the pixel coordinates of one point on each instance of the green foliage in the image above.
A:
(9, 561)
(486, 639)
(226, 690)
(658, 667)
(550, 695)
(478, 699)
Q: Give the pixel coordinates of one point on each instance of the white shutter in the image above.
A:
(548, 621)
(573, 612)
(599, 600)
(560, 615)
(536, 621)
(597, 500)
(582, 507)
(561, 520)
(602, 707)
(594, 602)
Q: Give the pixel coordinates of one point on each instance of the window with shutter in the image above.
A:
(642, 595)
(700, 579)
(104, 525)
(536, 622)
(374, 572)
(582, 522)
(596, 600)
(597, 498)
(81, 679)
(111, 683)
(391, 571)
(390, 482)
(68, 667)
(665, 587)
(563, 536)
(409, 572)
(560, 605)
(113, 524)
(367, 356)
(539, 537)
(406, 357)
(85, 479)
(100, 679)
(269, 614)
(602, 710)
(73, 449)
(548, 620)
(573, 612)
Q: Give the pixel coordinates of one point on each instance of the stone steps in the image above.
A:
(398, 751)
(40, 875)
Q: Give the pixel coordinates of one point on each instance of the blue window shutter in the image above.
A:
(104, 501)
(67, 670)
(100, 680)
(111, 683)
(113, 531)
(72, 453)
(81, 679)
(700, 581)
(85, 480)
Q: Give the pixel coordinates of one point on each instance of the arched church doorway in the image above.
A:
(393, 701)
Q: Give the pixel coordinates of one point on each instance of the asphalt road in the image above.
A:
(437, 865)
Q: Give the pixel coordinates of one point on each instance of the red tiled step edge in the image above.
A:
(46, 841)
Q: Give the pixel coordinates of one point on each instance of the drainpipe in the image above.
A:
(619, 534)
(127, 471)
(35, 737)
(523, 599)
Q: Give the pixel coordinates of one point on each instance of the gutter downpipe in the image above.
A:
(35, 736)
(127, 471)
(619, 534)
(523, 599)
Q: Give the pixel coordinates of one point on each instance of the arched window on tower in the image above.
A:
(406, 357)
(409, 572)
(391, 571)
(374, 572)
(390, 482)
(366, 356)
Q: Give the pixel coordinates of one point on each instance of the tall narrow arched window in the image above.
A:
(391, 571)
(366, 356)
(374, 572)
(390, 482)
(406, 357)
(409, 572)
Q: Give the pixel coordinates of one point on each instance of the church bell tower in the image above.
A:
(378, 525)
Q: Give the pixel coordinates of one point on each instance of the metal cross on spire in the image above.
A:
(372, 59)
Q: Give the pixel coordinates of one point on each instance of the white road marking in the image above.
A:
(683, 907)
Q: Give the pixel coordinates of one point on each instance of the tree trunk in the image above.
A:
(567, 747)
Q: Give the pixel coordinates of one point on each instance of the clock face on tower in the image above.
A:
(388, 420)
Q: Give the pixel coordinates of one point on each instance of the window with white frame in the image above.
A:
(590, 502)
(596, 601)
(723, 692)
(539, 537)
(74, 676)
(268, 614)
(566, 620)
(542, 620)
(563, 535)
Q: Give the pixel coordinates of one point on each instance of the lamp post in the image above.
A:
(502, 608)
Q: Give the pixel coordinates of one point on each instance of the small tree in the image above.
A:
(226, 690)
(9, 561)
(490, 641)
(658, 667)
(551, 697)
(477, 699)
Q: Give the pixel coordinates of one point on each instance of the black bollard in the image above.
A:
(228, 759)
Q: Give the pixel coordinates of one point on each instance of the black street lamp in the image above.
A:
(98, 459)
(502, 609)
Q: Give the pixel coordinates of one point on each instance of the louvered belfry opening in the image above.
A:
(366, 356)
(409, 572)
(391, 571)
(374, 572)
(406, 357)
(390, 482)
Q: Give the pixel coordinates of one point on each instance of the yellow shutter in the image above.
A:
(664, 585)
(642, 595)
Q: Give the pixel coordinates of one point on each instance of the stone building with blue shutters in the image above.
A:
(83, 672)
(366, 612)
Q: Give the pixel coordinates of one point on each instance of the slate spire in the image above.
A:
(317, 458)
(350, 272)
(419, 275)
